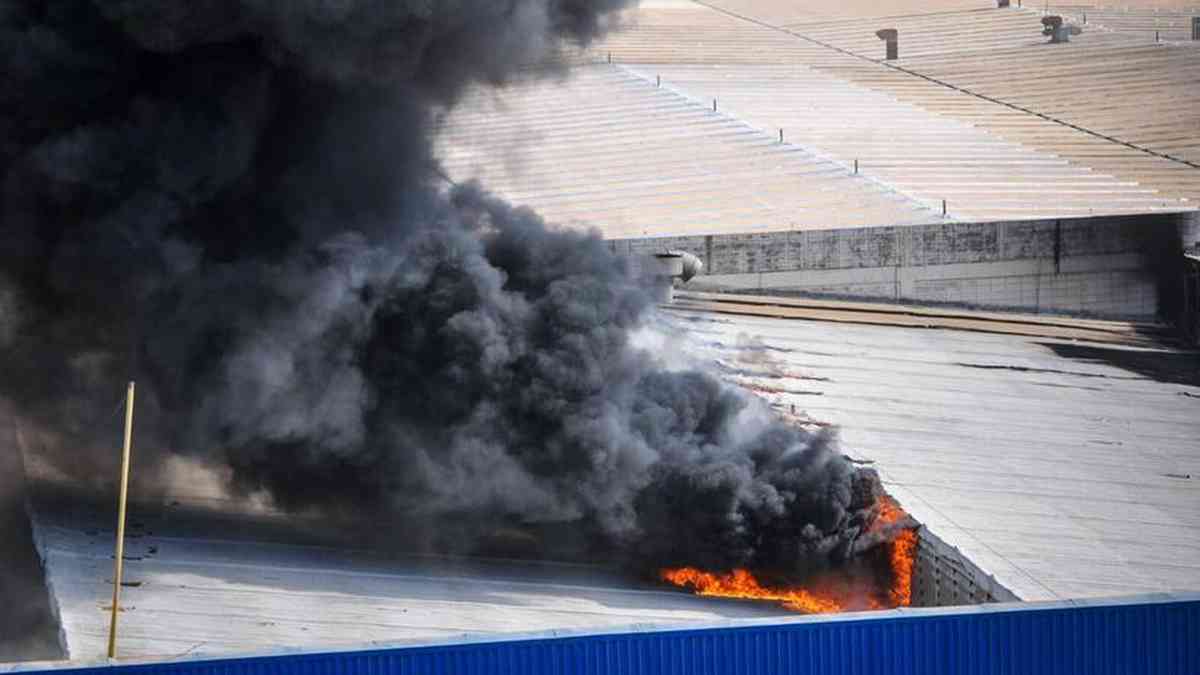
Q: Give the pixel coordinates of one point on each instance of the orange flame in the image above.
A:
(903, 552)
(741, 583)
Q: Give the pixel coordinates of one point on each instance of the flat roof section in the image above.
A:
(1064, 468)
(1058, 455)
(207, 583)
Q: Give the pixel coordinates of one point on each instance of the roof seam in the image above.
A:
(948, 85)
(882, 185)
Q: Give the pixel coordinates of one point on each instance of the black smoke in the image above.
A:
(235, 203)
(27, 627)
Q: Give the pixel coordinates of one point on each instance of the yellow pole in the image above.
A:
(117, 563)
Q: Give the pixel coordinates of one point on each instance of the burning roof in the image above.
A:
(314, 318)
(868, 586)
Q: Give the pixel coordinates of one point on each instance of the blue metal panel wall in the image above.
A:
(1120, 638)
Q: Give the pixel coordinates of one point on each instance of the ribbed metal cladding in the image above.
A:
(1156, 634)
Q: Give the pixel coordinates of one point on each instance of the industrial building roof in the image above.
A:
(612, 150)
(1170, 19)
(1122, 86)
(1140, 634)
(796, 11)
(932, 157)
(1116, 112)
(980, 119)
(203, 582)
(1064, 468)
(1058, 455)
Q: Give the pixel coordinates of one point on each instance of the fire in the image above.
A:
(889, 512)
(741, 583)
(903, 552)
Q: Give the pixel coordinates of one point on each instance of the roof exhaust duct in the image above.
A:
(892, 37)
(1057, 30)
(667, 267)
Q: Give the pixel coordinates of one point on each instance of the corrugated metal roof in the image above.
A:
(932, 157)
(1171, 19)
(1064, 469)
(607, 147)
(1133, 5)
(1110, 104)
(978, 32)
(699, 34)
(1172, 179)
(1135, 635)
(1122, 86)
(798, 11)
(610, 150)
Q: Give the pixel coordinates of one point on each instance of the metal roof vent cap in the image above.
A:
(892, 37)
(669, 266)
(1057, 30)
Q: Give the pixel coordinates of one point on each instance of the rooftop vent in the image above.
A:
(1057, 30)
(668, 266)
(892, 37)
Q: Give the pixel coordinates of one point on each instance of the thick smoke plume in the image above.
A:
(234, 202)
(27, 630)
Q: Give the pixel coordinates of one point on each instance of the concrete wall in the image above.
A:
(943, 576)
(1096, 266)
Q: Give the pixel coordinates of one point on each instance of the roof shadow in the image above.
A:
(1172, 367)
